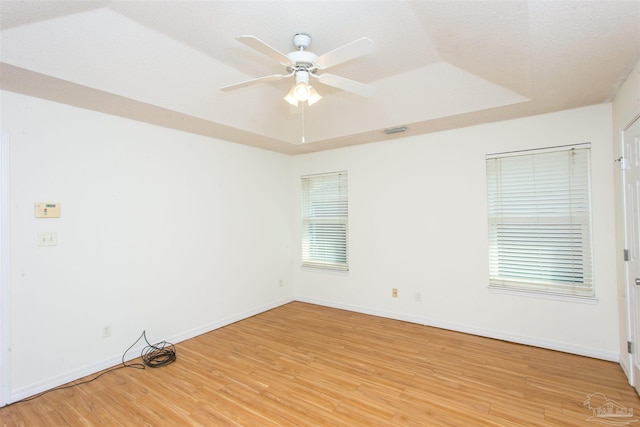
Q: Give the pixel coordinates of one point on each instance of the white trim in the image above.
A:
(67, 377)
(5, 257)
(134, 352)
(544, 295)
(626, 359)
(227, 321)
(487, 333)
(626, 368)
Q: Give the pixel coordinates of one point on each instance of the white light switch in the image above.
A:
(47, 238)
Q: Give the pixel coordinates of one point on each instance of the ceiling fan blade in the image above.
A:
(257, 44)
(345, 53)
(254, 81)
(346, 84)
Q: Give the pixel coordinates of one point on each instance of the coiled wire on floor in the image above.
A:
(158, 355)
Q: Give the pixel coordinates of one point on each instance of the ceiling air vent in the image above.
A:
(398, 129)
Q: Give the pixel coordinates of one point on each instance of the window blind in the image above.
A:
(325, 221)
(539, 209)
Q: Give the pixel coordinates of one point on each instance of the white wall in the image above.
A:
(626, 106)
(418, 222)
(179, 234)
(161, 230)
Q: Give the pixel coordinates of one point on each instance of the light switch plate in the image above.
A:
(47, 210)
(47, 238)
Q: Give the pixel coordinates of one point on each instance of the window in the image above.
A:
(324, 221)
(539, 207)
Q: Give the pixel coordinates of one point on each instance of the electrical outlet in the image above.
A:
(106, 331)
(418, 297)
(394, 292)
(281, 283)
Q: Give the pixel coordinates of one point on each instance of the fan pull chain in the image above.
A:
(302, 120)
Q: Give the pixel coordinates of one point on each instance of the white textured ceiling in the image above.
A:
(438, 64)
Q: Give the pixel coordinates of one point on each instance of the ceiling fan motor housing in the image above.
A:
(302, 60)
(302, 77)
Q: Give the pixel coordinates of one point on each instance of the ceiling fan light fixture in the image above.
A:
(301, 91)
(314, 96)
(290, 98)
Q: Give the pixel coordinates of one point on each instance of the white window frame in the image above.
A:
(539, 211)
(325, 221)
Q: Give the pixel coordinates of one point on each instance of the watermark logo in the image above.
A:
(607, 411)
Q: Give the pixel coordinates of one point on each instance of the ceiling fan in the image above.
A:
(304, 66)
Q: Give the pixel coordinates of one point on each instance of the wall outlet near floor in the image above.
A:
(418, 297)
(106, 331)
(394, 292)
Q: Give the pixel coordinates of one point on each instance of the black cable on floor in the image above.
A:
(153, 356)
(158, 355)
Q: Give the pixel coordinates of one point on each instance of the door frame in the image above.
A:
(629, 303)
(5, 258)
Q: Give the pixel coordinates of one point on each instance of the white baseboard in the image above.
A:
(227, 321)
(625, 364)
(75, 374)
(488, 333)
(133, 353)
(67, 377)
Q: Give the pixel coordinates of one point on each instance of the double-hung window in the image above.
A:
(539, 209)
(325, 210)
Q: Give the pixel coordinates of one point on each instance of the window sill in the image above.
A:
(545, 295)
(323, 269)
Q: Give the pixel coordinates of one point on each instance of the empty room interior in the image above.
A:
(334, 212)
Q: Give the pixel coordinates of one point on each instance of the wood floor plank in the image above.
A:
(307, 365)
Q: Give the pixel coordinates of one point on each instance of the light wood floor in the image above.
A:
(307, 365)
